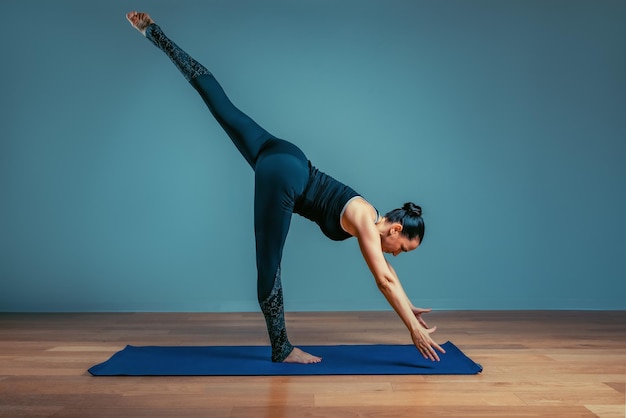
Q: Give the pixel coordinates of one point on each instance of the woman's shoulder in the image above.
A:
(358, 212)
(359, 205)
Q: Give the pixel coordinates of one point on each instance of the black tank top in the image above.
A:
(323, 201)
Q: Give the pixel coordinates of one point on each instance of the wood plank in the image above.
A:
(139, 412)
(385, 411)
(422, 398)
(608, 411)
(87, 348)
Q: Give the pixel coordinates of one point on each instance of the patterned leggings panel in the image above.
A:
(189, 67)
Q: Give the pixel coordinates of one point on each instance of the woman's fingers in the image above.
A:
(418, 314)
(428, 347)
(430, 353)
(434, 344)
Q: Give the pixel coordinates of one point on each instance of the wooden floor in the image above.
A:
(536, 364)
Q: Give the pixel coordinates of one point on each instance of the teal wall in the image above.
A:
(505, 120)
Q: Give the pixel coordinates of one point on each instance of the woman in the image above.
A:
(287, 183)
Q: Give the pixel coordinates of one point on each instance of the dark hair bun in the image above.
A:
(412, 208)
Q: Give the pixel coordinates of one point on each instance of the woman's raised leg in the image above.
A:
(246, 134)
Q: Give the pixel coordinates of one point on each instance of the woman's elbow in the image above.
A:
(384, 284)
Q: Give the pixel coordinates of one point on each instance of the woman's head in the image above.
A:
(410, 217)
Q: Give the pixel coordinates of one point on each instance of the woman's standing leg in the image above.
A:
(273, 208)
(282, 174)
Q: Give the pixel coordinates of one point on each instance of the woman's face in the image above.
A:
(394, 242)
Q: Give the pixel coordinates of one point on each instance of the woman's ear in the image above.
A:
(396, 228)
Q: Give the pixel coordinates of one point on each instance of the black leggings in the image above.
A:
(281, 175)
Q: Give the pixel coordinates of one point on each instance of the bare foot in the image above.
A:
(139, 20)
(299, 356)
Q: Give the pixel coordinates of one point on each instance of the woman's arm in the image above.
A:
(387, 281)
(416, 311)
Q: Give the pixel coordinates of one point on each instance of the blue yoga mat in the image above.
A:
(255, 361)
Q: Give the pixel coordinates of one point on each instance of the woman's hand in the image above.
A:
(425, 344)
(418, 314)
